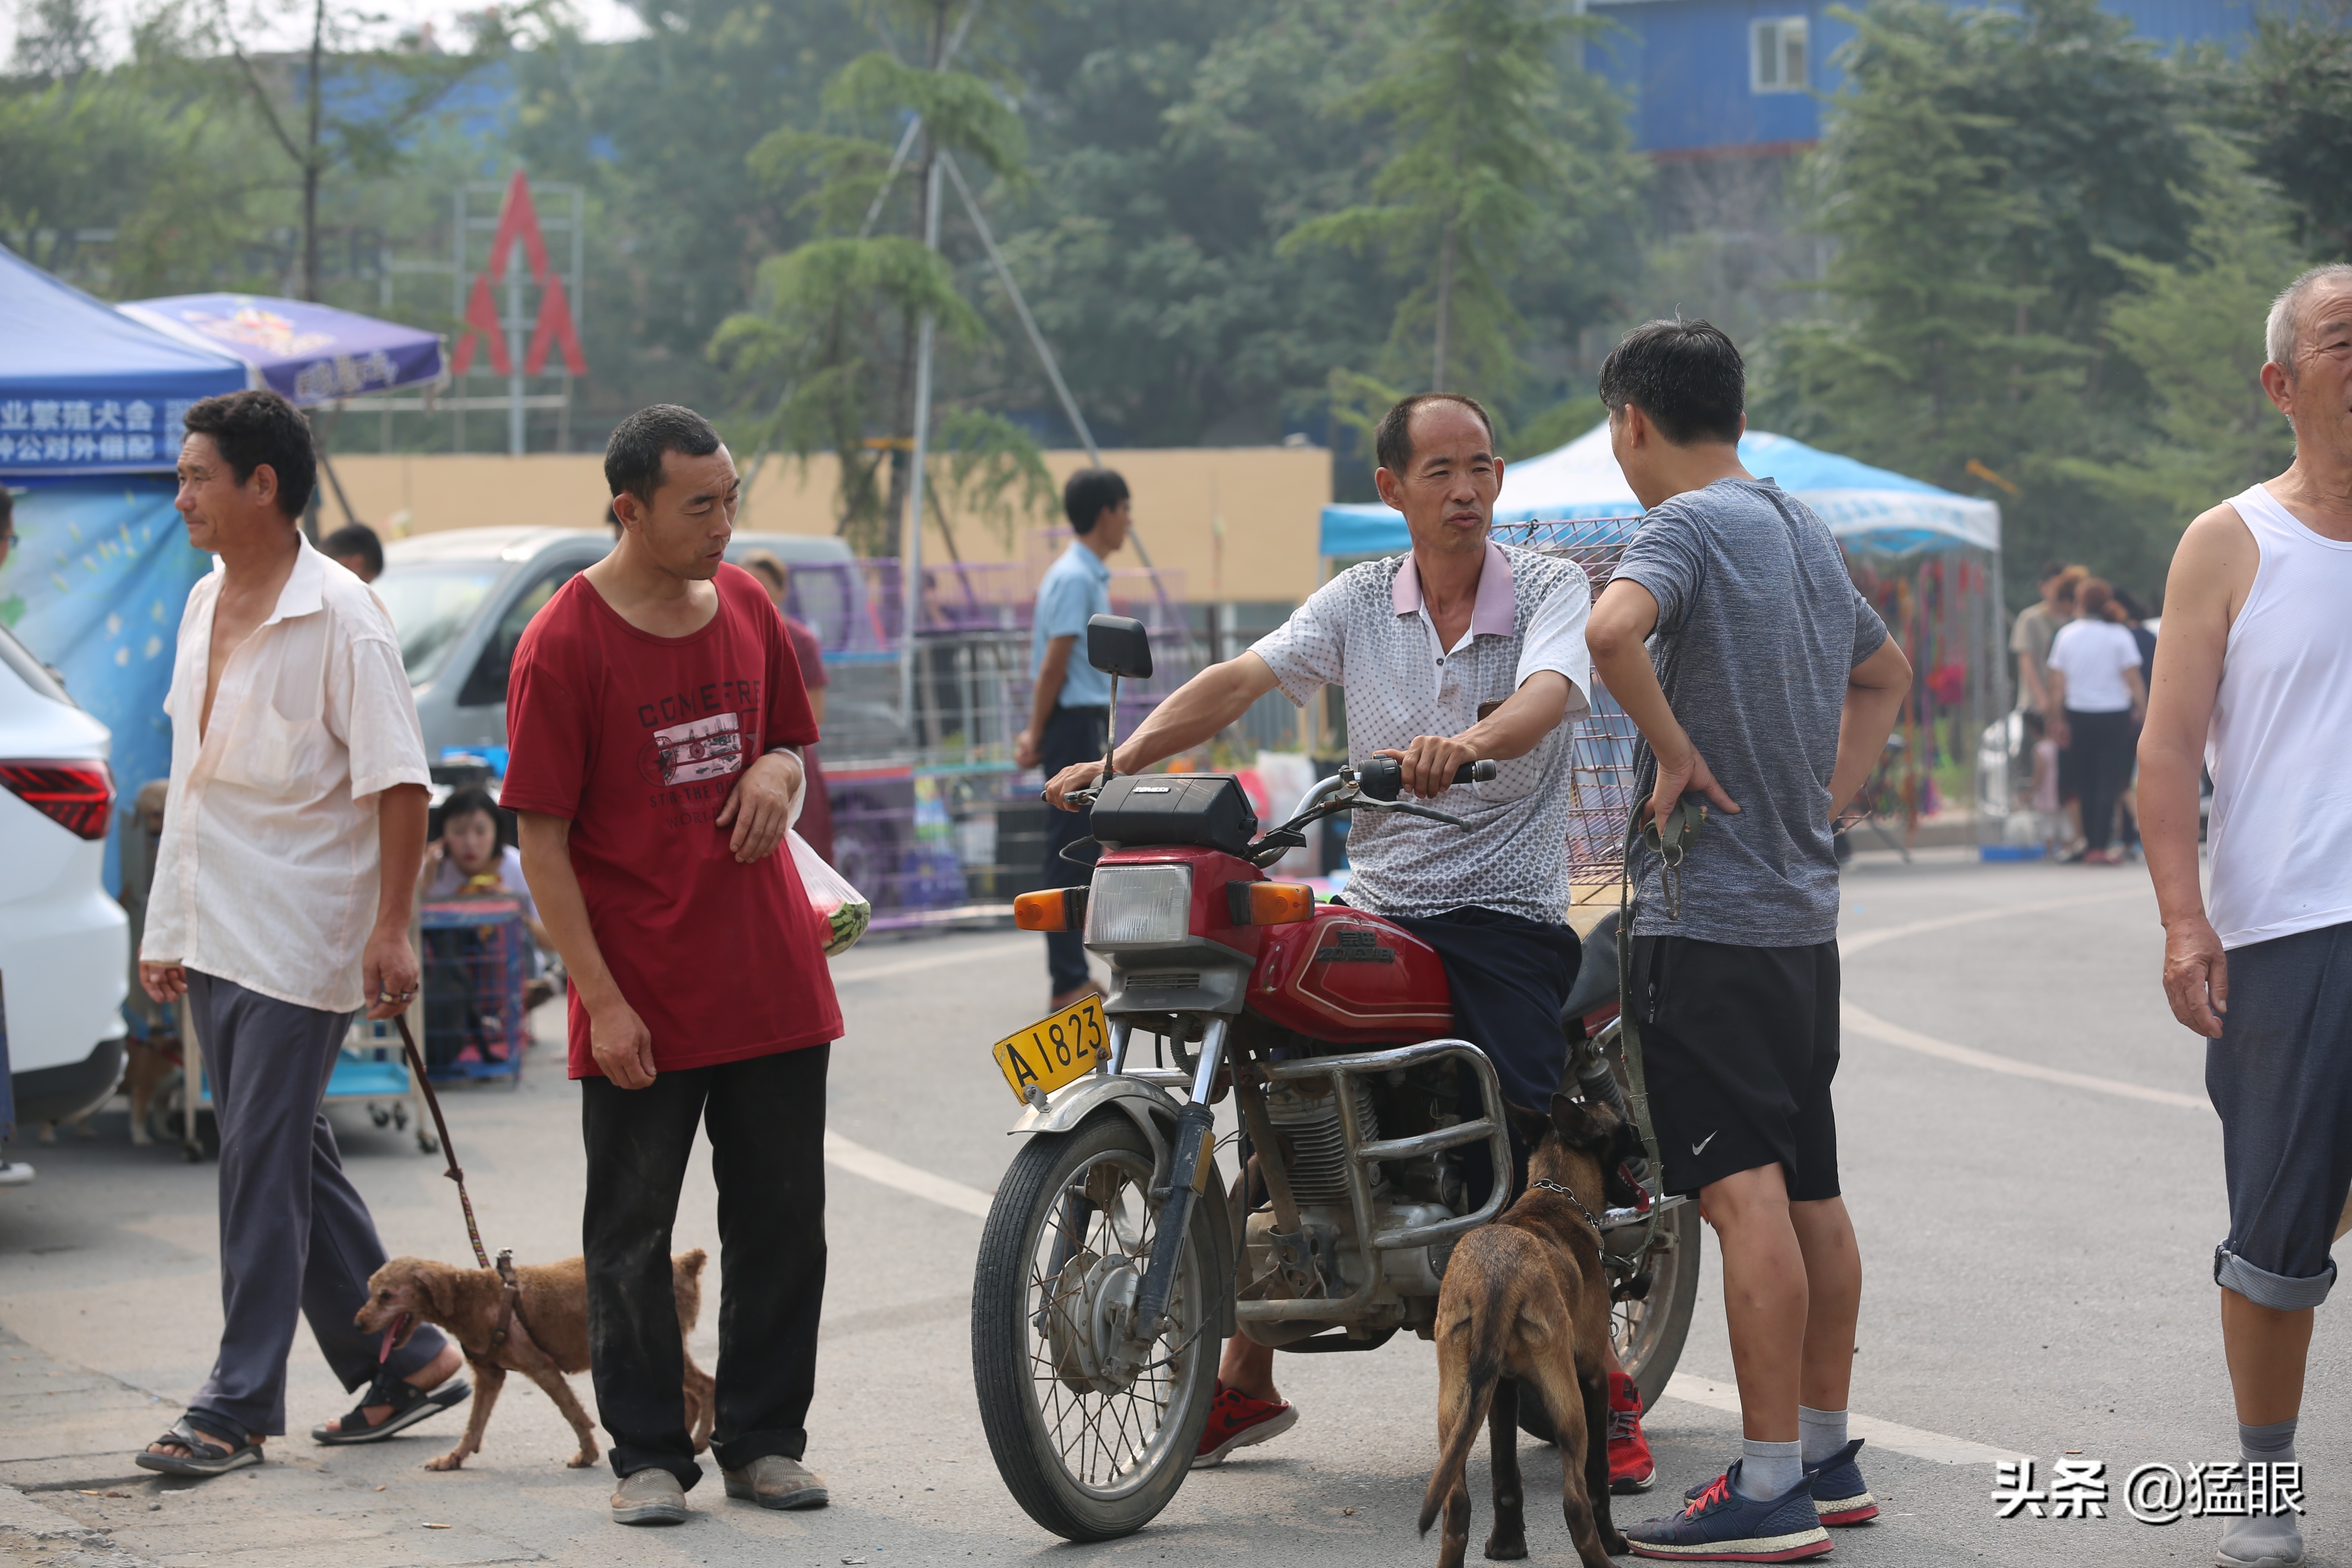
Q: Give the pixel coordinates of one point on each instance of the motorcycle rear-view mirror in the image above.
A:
(1118, 644)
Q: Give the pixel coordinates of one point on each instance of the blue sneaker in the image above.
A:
(1838, 1495)
(1721, 1526)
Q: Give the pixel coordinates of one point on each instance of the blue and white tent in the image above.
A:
(84, 389)
(1872, 509)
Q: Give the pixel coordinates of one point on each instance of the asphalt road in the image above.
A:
(2036, 1183)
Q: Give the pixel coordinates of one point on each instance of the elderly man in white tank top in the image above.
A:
(2253, 681)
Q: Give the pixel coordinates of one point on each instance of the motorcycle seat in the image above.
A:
(1596, 978)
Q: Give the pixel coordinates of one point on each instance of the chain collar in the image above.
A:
(1552, 1187)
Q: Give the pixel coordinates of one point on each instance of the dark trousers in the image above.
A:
(296, 1238)
(766, 1120)
(1073, 735)
(2101, 745)
(1509, 976)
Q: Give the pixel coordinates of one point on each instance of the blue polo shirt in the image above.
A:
(1074, 588)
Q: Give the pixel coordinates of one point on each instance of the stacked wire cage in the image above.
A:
(1607, 748)
(476, 957)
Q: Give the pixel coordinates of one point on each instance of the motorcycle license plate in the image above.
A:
(1055, 1050)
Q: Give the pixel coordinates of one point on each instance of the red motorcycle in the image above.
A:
(1116, 1260)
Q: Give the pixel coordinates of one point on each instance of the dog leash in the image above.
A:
(1683, 824)
(509, 1302)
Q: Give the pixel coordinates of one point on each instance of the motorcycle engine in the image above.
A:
(1315, 1148)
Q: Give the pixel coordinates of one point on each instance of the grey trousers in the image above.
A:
(296, 1238)
(2280, 1078)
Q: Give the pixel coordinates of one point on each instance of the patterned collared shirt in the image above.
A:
(1368, 629)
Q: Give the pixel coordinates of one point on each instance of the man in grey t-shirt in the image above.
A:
(1767, 688)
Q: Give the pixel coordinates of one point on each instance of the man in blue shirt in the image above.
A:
(1071, 705)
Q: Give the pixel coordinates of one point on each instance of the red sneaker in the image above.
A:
(1236, 1421)
(1631, 1468)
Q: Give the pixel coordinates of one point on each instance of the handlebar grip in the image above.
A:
(1474, 772)
(1382, 778)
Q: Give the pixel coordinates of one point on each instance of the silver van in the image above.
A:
(461, 597)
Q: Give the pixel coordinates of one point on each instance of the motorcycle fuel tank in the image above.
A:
(1349, 976)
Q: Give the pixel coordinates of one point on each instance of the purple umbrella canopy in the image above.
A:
(311, 354)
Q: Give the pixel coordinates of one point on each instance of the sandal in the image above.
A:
(214, 1448)
(409, 1405)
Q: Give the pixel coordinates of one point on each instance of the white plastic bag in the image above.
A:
(843, 906)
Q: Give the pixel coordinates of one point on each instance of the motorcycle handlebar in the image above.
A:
(1382, 778)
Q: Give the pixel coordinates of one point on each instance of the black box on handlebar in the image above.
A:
(1208, 809)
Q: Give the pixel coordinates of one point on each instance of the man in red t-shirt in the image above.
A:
(654, 719)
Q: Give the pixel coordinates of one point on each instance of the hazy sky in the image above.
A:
(286, 24)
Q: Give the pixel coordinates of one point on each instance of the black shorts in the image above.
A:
(1739, 1045)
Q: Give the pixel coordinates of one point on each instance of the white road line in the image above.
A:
(1862, 943)
(1866, 1023)
(918, 966)
(1878, 1029)
(1933, 1446)
(875, 1166)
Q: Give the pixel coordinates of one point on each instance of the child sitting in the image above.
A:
(467, 862)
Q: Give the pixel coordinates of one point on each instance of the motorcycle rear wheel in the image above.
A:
(1087, 1464)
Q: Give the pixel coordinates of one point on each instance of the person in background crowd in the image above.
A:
(657, 716)
(2255, 653)
(7, 523)
(2094, 682)
(2127, 611)
(2030, 639)
(357, 550)
(1070, 708)
(468, 862)
(816, 825)
(293, 826)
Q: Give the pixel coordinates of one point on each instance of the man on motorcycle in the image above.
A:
(1461, 650)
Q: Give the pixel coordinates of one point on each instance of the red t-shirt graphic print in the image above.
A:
(638, 740)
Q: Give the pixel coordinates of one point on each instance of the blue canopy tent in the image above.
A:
(1929, 559)
(91, 404)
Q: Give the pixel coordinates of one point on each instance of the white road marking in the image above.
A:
(918, 966)
(1878, 1029)
(876, 1166)
(1862, 1022)
(1850, 945)
(1933, 1446)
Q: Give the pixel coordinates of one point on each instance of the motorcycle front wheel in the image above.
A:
(1089, 1451)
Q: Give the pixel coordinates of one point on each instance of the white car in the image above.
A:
(65, 945)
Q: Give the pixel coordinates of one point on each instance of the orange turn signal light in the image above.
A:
(1051, 909)
(1269, 903)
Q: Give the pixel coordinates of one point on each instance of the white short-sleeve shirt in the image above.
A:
(1368, 630)
(267, 872)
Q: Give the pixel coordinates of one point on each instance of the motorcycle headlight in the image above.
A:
(1140, 904)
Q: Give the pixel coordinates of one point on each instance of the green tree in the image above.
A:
(364, 119)
(1992, 179)
(828, 350)
(2291, 98)
(2194, 328)
(1473, 98)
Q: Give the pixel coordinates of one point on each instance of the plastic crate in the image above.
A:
(476, 954)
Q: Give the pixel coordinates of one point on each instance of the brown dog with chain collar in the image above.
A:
(539, 1328)
(1525, 1309)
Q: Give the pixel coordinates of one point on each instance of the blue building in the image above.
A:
(1713, 79)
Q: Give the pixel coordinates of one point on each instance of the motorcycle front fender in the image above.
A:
(1153, 1109)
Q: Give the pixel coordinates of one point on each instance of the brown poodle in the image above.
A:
(548, 1338)
(1525, 1305)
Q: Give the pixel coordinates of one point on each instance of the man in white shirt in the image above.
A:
(1461, 650)
(284, 882)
